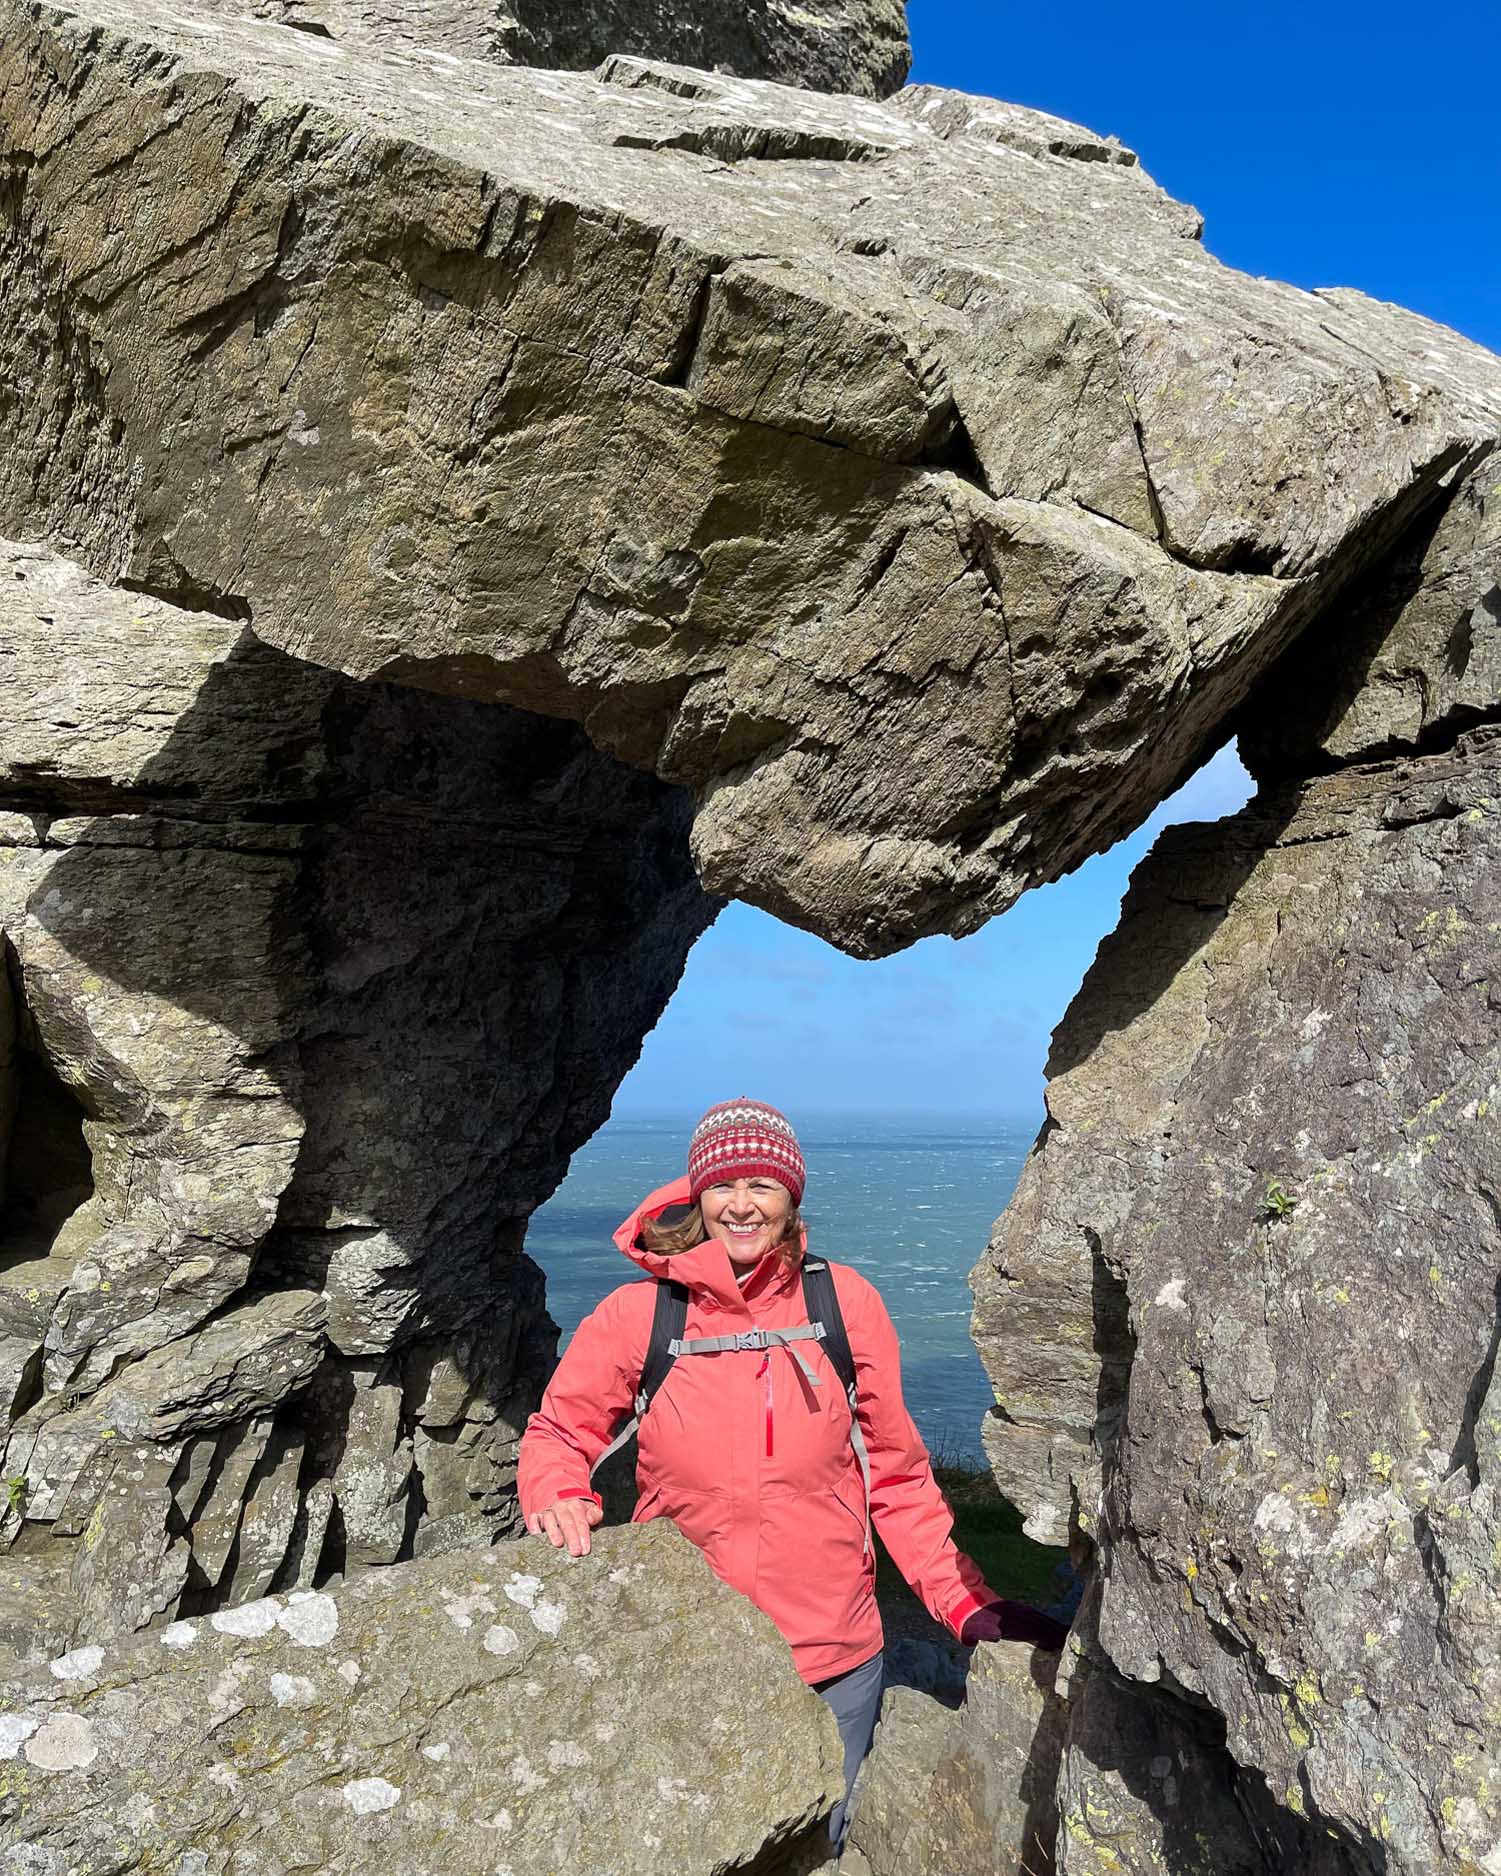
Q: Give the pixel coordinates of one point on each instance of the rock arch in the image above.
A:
(885, 506)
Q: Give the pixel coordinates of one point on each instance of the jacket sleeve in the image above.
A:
(591, 1391)
(907, 1507)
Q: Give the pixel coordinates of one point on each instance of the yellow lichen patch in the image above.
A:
(1191, 1569)
(1293, 1799)
(1297, 1733)
(1381, 1464)
(1307, 1691)
(1319, 1497)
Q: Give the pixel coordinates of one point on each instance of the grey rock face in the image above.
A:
(314, 986)
(1262, 1221)
(747, 427)
(503, 1708)
(966, 1791)
(858, 46)
(1412, 657)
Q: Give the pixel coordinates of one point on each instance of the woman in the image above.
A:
(751, 1451)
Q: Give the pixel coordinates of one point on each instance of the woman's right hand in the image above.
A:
(567, 1521)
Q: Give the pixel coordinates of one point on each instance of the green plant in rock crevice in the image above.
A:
(1278, 1201)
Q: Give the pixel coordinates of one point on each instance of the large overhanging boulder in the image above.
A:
(508, 1709)
(905, 480)
(313, 988)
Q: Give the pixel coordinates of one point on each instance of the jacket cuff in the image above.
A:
(580, 1491)
(967, 1606)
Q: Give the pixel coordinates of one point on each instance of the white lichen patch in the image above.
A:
(366, 1795)
(292, 1690)
(588, 1667)
(250, 1620)
(566, 1754)
(502, 1820)
(65, 1743)
(1363, 1520)
(523, 1590)
(461, 1610)
(438, 1751)
(501, 1640)
(178, 1635)
(605, 1731)
(310, 1618)
(548, 1616)
(138, 1812)
(672, 1790)
(79, 1664)
(1170, 1296)
(532, 1689)
(526, 1779)
(15, 1730)
(349, 1671)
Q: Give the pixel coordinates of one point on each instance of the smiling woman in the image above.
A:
(775, 1468)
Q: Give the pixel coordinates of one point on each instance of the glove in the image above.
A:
(1013, 1621)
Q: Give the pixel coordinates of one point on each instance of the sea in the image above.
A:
(908, 1200)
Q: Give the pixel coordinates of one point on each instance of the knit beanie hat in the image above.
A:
(745, 1139)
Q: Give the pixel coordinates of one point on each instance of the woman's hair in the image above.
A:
(687, 1229)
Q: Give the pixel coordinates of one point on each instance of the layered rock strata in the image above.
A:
(313, 987)
(509, 1708)
(750, 428)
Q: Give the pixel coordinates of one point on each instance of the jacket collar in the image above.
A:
(706, 1269)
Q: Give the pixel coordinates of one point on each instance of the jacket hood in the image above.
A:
(707, 1267)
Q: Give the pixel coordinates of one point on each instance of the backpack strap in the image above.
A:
(757, 1338)
(669, 1319)
(822, 1301)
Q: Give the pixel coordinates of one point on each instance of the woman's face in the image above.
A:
(748, 1216)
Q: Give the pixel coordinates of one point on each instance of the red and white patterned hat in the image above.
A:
(745, 1139)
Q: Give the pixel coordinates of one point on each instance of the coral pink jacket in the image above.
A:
(750, 1462)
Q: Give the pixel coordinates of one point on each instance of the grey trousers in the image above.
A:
(856, 1700)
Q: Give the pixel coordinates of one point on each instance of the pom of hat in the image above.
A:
(745, 1139)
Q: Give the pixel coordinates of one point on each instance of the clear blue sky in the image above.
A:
(1325, 143)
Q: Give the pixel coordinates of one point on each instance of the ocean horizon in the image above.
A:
(908, 1199)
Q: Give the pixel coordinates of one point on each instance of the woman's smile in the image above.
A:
(748, 1216)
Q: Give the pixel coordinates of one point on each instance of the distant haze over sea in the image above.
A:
(908, 1199)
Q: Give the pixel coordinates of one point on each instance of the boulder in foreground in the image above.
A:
(511, 1709)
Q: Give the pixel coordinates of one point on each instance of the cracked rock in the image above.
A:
(752, 428)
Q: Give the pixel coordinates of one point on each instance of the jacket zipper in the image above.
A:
(765, 1369)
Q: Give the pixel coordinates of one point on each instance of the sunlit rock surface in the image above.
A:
(1242, 1315)
(757, 430)
(966, 1791)
(831, 45)
(313, 988)
(507, 1708)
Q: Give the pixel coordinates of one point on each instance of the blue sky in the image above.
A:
(1325, 143)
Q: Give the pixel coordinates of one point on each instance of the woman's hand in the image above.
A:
(1013, 1621)
(567, 1521)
